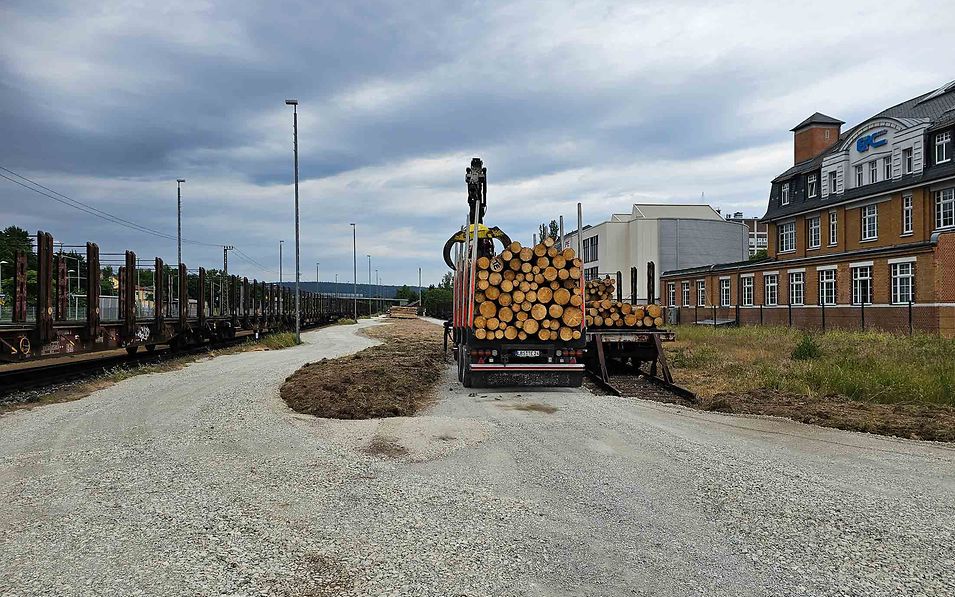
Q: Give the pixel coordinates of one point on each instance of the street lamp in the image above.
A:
(354, 246)
(281, 242)
(179, 182)
(294, 104)
(369, 282)
(317, 279)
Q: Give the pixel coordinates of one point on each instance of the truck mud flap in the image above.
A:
(518, 379)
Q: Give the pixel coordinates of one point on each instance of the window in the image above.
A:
(590, 249)
(686, 294)
(887, 168)
(859, 176)
(870, 222)
(862, 285)
(907, 214)
(902, 277)
(797, 288)
(811, 185)
(814, 227)
(748, 291)
(833, 228)
(671, 294)
(873, 171)
(787, 237)
(832, 182)
(908, 161)
(725, 292)
(591, 273)
(784, 197)
(772, 289)
(701, 293)
(945, 208)
(943, 147)
(827, 287)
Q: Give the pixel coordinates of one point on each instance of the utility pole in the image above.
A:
(281, 242)
(369, 282)
(317, 279)
(420, 303)
(298, 269)
(354, 245)
(377, 290)
(225, 274)
(179, 182)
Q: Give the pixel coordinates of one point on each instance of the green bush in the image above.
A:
(807, 349)
(277, 341)
(346, 321)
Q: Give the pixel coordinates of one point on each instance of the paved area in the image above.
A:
(202, 482)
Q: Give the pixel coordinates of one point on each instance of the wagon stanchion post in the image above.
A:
(696, 314)
(183, 285)
(862, 313)
(822, 305)
(44, 277)
(92, 291)
(619, 286)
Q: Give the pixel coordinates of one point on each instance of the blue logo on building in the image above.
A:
(872, 140)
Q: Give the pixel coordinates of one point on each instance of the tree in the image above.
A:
(12, 240)
(407, 294)
(759, 255)
(554, 229)
(447, 280)
(437, 301)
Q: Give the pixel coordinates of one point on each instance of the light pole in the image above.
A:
(281, 242)
(298, 269)
(179, 182)
(377, 290)
(354, 245)
(369, 282)
(420, 304)
(317, 279)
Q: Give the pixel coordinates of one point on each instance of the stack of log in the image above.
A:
(403, 312)
(529, 293)
(603, 311)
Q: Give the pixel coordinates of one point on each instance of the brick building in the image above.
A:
(861, 231)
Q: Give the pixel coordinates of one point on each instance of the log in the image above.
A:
(488, 309)
(522, 335)
(480, 334)
(491, 293)
(497, 264)
(562, 296)
(514, 247)
(544, 294)
(506, 285)
(504, 299)
(510, 332)
(526, 254)
(550, 273)
(517, 296)
(483, 262)
(499, 334)
(480, 322)
(572, 317)
(555, 311)
(538, 311)
(505, 315)
(531, 326)
(566, 334)
(493, 323)
(495, 278)
(543, 335)
(540, 250)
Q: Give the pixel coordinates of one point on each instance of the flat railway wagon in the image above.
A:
(64, 310)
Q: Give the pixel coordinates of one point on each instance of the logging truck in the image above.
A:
(518, 314)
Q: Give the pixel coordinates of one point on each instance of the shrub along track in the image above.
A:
(393, 379)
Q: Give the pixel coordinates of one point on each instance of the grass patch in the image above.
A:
(348, 321)
(278, 340)
(836, 367)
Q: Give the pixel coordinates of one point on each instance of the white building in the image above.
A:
(671, 236)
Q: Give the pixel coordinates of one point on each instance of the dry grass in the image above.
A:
(866, 381)
(396, 378)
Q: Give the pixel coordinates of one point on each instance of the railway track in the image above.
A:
(631, 384)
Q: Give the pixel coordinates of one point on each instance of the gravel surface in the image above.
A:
(202, 482)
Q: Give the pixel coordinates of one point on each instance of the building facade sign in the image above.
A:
(875, 139)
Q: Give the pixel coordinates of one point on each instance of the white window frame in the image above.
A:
(797, 288)
(701, 293)
(860, 175)
(862, 281)
(827, 286)
(908, 160)
(725, 293)
(747, 291)
(787, 237)
(814, 232)
(869, 219)
(943, 147)
(811, 186)
(944, 208)
(771, 289)
(833, 228)
(671, 293)
(873, 171)
(685, 288)
(887, 167)
(903, 283)
(906, 214)
(833, 181)
(784, 194)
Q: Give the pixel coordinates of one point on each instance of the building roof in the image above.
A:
(662, 211)
(817, 118)
(936, 107)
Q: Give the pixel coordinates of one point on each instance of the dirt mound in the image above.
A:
(391, 380)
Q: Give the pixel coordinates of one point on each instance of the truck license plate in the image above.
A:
(527, 353)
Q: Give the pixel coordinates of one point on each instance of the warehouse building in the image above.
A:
(670, 236)
(861, 231)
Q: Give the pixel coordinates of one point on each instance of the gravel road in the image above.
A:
(201, 482)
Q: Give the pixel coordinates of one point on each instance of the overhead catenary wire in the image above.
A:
(104, 215)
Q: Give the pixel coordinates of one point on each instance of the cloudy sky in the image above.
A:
(607, 103)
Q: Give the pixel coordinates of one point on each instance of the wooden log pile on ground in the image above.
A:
(403, 312)
(604, 311)
(529, 293)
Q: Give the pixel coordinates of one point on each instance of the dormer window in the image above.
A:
(873, 172)
(860, 180)
(908, 162)
(943, 147)
(832, 182)
(811, 185)
(784, 197)
(887, 167)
